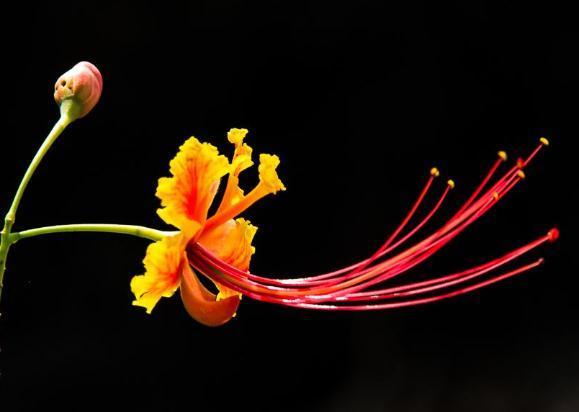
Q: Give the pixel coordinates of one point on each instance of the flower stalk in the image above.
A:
(130, 230)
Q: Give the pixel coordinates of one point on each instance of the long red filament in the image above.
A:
(385, 248)
(422, 301)
(355, 283)
(448, 280)
(433, 174)
(484, 182)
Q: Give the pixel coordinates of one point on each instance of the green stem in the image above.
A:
(52, 136)
(131, 230)
(5, 237)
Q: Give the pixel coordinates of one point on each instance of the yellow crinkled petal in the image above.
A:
(186, 197)
(236, 136)
(242, 154)
(231, 242)
(162, 272)
(268, 174)
(241, 161)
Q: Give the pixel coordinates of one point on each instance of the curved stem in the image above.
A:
(52, 136)
(131, 230)
(5, 238)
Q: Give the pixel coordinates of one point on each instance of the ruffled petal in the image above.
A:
(187, 195)
(268, 177)
(163, 263)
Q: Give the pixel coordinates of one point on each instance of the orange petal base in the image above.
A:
(201, 304)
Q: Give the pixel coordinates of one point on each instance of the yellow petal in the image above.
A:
(236, 136)
(241, 161)
(163, 263)
(268, 173)
(187, 195)
(242, 154)
(231, 242)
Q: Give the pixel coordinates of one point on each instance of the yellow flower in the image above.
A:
(220, 246)
(186, 197)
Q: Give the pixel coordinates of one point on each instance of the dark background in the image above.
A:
(359, 99)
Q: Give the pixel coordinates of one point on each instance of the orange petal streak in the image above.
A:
(187, 195)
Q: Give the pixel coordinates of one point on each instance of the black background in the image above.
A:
(359, 99)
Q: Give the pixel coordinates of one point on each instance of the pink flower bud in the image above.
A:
(81, 86)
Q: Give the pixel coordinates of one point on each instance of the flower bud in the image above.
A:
(78, 90)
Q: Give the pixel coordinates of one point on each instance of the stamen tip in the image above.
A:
(496, 195)
(520, 162)
(553, 234)
(544, 141)
(521, 174)
(450, 183)
(434, 172)
(503, 155)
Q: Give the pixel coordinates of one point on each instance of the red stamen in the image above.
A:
(502, 158)
(422, 301)
(433, 174)
(543, 142)
(448, 280)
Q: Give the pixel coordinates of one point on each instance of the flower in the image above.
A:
(219, 247)
(186, 197)
(78, 90)
(358, 287)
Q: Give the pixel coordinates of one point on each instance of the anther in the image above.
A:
(520, 162)
(434, 172)
(496, 195)
(553, 234)
(503, 155)
(544, 141)
(450, 183)
(521, 174)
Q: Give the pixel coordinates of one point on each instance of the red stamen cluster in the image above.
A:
(357, 287)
